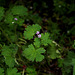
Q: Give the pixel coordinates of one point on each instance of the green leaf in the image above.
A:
(31, 71)
(10, 61)
(9, 53)
(74, 44)
(73, 62)
(13, 71)
(13, 38)
(34, 18)
(31, 30)
(45, 40)
(52, 52)
(34, 54)
(39, 57)
(60, 62)
(1, 13)
(9, 18)
(74, 70)
(1, 71)
(19, 10)
(20, 22)
(68, 62)
(37, 42)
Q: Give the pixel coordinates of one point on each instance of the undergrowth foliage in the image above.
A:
(25, 46)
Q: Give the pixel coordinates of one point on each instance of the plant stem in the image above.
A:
(23, 72)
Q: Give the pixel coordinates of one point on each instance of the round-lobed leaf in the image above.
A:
(31, 31)
(19, 10)
(34, 54)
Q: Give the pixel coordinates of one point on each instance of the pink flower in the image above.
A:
(39, 36)
(15, 19)
(37, 32)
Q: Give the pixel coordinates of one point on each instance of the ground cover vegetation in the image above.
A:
(37, 37)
